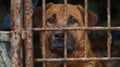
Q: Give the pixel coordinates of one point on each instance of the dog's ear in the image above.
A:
(92, 17)
(48, 5)
(37, 17)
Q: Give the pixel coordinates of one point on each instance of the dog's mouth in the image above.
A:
(56, 42)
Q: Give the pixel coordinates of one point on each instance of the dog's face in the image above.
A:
(55, 17)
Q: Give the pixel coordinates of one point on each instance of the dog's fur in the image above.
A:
(77, 12)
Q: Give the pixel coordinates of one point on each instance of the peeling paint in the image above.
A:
(16, 39)
(28, 27)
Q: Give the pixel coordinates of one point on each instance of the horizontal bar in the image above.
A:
(6, 32)
(75, 59)
(71, 28)
(78, 28)
(4, 36)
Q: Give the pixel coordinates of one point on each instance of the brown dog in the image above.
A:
(54, 44)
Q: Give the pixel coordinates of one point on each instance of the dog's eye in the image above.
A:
(52, 20)
(72, 20)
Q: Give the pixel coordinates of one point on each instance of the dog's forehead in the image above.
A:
(59, 9)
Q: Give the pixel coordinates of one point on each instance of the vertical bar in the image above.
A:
(28, 26)
(109, 40)
(108, 13)
(86, 13)
(65, 38)
(65, 48)
(86, 25)
(43, 39)
(15, 41)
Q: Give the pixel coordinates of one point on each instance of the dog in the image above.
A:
(54, 40)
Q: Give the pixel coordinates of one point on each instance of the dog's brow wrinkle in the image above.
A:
(54, 15)
(71, 20)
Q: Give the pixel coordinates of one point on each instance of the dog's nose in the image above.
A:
(58, 35)
(56, 42)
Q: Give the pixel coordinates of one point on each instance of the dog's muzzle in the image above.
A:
(56, 42)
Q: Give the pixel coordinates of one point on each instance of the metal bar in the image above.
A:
(109, 40)
(65, 48)
(77, 28)
(65, 38)
(28, 26)
(43, 49)
(43, 38)
(86, 25)
(5, 36)
(75, 59)
(5, 32)
(86, 13)
(16, 41)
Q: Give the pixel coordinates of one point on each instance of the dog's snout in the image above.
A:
(58, 35)
(56, 42)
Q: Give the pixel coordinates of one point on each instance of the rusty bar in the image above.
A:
(28, 26)
(5, 36)
(109, 40)
(86, 25)
(65, 48)
(15, 41)
(108, 13)
(76, 59)
(43, 48)
(43, 39)
(77, 28)
(86, 13)
(65, 38)
(5, 32)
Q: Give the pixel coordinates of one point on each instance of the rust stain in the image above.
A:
(16, 40)
(28, 25)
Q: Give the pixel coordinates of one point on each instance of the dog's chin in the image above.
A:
(57, 51)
